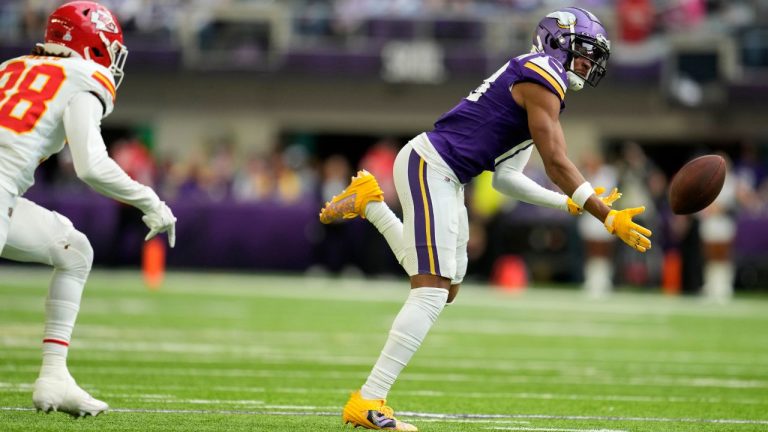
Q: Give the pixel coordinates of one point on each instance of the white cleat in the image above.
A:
(63, 394)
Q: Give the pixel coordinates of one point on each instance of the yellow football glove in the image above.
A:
(608, 200)
(619, 223)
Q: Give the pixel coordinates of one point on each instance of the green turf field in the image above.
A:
(222, 352)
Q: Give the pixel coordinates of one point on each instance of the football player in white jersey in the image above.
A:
(57, 96)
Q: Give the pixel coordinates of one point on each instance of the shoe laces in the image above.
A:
(387, 411)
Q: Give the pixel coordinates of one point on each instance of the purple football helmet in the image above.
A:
(573, 32)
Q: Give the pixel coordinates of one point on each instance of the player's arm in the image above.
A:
(543, 108)
(82, 123)
(509, 179)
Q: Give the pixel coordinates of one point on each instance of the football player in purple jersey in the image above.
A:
(494, 128)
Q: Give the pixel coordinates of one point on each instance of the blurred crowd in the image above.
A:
(272, 35)
(555, 246)
(635, 18)
(24, 20)
(216, 172)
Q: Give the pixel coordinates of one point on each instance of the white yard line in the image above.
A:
(574, 417)
(475, 421)
(506, 367)
(656, 381)
(25, 387)
(466, 418)
(554, 429)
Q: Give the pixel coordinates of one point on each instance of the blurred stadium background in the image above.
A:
(248, 115)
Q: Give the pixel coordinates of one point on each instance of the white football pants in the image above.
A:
(35, 234)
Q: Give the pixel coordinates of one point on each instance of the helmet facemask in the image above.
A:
(595, 51)
(576, 39)
(118, 54)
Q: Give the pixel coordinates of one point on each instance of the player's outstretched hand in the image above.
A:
(159, 220)
(608, 200)
(619, 223)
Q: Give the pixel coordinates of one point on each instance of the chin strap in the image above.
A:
(575, 82)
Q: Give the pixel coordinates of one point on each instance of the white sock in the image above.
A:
(54, 360)
(409, 329)
(60, 319)
(389, 225)
(61, 310)
(718, 281)
(598, 276)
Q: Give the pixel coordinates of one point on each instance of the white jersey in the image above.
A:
(34, 93)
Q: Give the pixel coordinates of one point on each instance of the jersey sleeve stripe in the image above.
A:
(547, 76)
(513, 152)
(105, 82)
(545, 64)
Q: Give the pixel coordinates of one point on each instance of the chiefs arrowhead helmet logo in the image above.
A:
(103, 21)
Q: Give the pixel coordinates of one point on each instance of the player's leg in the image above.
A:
(7, 203)
(389, 225)
(461, 250)
(430, 229)
(430, 213)
(363, 197)
(717, 233)
(42, 236)
(598, 259)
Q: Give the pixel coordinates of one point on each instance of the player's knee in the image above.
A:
(74, 253)
(461, 269)
(430, 280)
(452, 293)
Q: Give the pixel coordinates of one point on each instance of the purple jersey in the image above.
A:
(488, 122)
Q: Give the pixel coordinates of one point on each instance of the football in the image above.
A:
(697, 184)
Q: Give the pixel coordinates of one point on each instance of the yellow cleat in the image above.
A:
(351, 202)
(372, 414)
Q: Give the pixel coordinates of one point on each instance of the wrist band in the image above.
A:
(582, 194)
